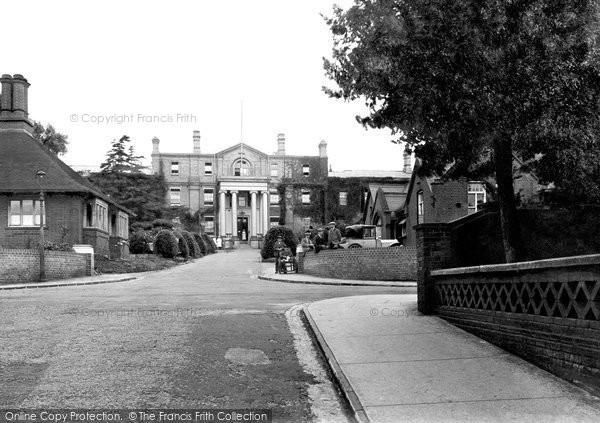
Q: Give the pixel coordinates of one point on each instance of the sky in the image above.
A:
(234, 70)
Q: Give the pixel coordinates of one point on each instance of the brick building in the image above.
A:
(240, 192)
(74, 212)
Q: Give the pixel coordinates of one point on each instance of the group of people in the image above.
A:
(323, 239)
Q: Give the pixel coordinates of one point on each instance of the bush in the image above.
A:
(162, 223)
(192, 244)
(211, 247)
(271, 237)
(166, 244)
(201, 244)
(55, 246)
(184, 249)
(138, 242)
(141, 226)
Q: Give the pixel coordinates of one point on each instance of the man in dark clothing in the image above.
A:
(320, 240)
(278, 247)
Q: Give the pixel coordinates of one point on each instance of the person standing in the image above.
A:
(335, 236)
(278, 247)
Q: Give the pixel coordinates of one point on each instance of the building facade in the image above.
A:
(240, 192)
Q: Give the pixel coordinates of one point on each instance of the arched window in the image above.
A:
(420, 207)
(241, 167)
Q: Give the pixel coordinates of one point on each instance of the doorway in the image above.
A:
(242, 229)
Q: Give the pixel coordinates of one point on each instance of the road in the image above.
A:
(207, 334)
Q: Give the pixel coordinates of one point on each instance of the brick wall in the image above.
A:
(546, 311)
(387, 264)
(24, 265)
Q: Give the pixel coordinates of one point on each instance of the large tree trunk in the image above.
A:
(509, 219)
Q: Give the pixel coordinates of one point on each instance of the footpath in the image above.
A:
(84, 280)
(397, 365)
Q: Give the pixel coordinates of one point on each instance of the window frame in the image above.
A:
(209, 219)
(100, 216)
(171, 190)
(205, 193)
(175, 168)
(35, 216)
(343, 198)
(476, 192)
(208, 168)
(302, 198)
(306, 170)
(420, 206)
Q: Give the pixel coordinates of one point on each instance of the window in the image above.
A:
(123, 225)
(97, 215)
(305, 170)
(365, 194)
(209, 196)
(209, 224)
(174, 168)
(343, 198)
(306, 221)
(208, 168)
(175, 196)
(274, 169)
(274, 221)
(241, 200)
(25, 213)
(476, 196)
(274, 198)
(241, 168)
(420, 207)
(305, 197)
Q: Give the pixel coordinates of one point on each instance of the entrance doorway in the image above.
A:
(242, 229)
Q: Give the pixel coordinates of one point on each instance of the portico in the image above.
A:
(243, 206)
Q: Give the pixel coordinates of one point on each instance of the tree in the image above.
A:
(47, 135)
(121, 158)
(469, 83)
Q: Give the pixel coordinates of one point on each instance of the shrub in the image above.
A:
(211, 247)
(162, 223)
(141, 226)
(201, 244)
(271, 237)
(166, 244)
(192, 244)
(55, 246)
(138, 242)
(184, 249)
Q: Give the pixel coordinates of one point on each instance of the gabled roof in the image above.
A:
(21, 156)
(240, 147)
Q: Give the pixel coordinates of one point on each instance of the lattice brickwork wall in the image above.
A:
(546, 311)
(24, 265)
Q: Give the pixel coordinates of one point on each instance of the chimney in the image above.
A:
(281, 144)
(407, 162)
(323, 148)
(14, 103)
(155, 143)
(196, 142)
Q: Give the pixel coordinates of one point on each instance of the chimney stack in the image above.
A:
(14, 112)
(407, 162)
(155, 143)
(323, 148)
(281, 144)
(196, 142)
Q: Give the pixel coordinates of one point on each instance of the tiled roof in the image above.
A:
(21, 156)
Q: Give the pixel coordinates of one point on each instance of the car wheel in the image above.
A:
(355, 246)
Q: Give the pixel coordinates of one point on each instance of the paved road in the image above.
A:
(205, 334)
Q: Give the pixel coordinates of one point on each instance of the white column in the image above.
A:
(234, 213)
(253, 220)
(222, 213)
(265, 202)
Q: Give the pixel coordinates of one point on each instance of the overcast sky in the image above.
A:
(190, 64)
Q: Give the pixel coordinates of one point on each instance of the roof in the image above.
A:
(21, 156)
(370, 174)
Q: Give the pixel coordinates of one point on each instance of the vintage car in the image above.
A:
(365, 236)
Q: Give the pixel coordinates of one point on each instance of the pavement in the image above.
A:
(268, 273)
(396, 365)
(84, 280)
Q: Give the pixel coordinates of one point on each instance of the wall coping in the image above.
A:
(590, 259)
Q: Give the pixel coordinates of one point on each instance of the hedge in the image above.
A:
(271, 237)
(211, 247)
(138, 242)
(166, 244)
(192, 244)
(201, 244)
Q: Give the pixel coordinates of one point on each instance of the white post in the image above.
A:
(234, 213)
(222, 213)
(265, 201)
(253, 220)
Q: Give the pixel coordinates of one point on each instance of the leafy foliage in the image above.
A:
(201, 244)
(271, 237)
(184, 248)
(121, 158)
(166, 244)
(211, 247)
(138, 242)
(469, 83)
(192, 244)
(47, 135)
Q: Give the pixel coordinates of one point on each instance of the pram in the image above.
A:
(286, 261)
